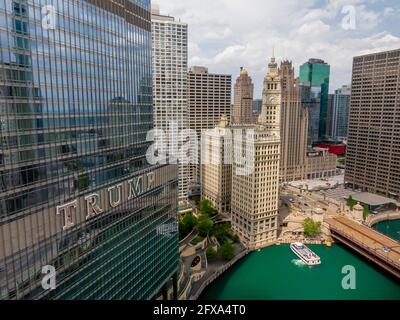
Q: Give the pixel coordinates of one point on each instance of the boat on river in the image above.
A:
(305, 254)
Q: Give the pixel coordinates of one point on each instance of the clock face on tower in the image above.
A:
(272, 99)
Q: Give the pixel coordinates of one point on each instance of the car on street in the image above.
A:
(385, 249)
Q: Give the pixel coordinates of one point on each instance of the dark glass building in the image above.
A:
(316, 73)
(329, 116)
(311, 100)
(257, 107)
(77, 194)
(340, 118)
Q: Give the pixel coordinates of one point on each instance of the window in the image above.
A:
(19, 9)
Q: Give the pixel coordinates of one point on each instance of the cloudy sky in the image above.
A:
(227, 34)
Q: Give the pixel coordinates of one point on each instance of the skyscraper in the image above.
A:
(316, 73)
(209, 98)
(340, 114)
(78, 198)
(257, 108)
(294, 126)
(255, 187)
(170, 98)
(312, 103)
(242, 112)
(329, 116)
(373, 154)
(216, 167)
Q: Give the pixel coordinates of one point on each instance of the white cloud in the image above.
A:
(219, 33)
(229, 54)
(313, 29)
(227, 34)
(388, 12)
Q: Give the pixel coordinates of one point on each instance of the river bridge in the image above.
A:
(380, 249)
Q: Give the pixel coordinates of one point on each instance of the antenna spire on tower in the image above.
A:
(273, 55)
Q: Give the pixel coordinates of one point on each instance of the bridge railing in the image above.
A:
(367, 248)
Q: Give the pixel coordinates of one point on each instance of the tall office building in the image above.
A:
(209, 98)
(294, 126)
(77, 195)
(373, 154)
(340, 113)
(170, 99)
(242, 112)
(216, 167)
(329, 116)
(255, 187)
(257, 108)
(316, 74)
(312, 104)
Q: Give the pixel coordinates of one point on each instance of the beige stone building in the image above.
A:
(242, 112)
(255, 189)
(216, 168)
(298, 161)
(320, 164)
(294, 126)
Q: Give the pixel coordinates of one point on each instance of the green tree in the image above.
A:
(186, 225)
(236, 238)
(207, 208)
(227, 251)
(311, 227)
(204, 225)
(222, 231)
(189, 220)
(211, 254)
(365, 212)
(351, 202)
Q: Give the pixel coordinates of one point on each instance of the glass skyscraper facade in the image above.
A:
(76, 191)
(311, 101)
(316, 73)
(340, 117)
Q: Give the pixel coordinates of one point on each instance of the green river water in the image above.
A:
(389, 228)
(276, 273)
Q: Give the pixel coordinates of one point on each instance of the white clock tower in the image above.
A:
(255, 196)
(271, 109)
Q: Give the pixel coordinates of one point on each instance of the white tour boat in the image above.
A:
(305, 254)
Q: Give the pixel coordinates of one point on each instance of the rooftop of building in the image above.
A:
(156, 14)
(344, 90)
(379, 52)
(319, 184)
(316, 61)
(372, 199)
(328, 142)
(198, 70)
(243, 71)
